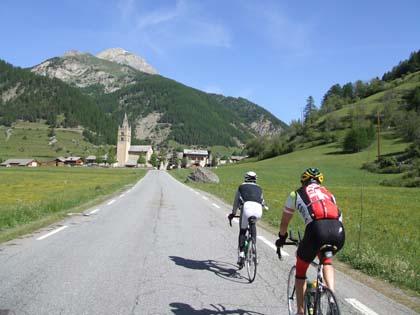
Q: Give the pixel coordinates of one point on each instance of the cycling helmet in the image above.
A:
(312, 174)
(250, 177)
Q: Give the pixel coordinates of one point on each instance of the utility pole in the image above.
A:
(379, 136)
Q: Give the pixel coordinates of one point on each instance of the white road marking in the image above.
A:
(111, 202)
(122, 195)
(195, 192)
(214, 205)
(52, 232)
(360, 307)
(205, 198)
(94, 211)
(267, 242)
(235, 220)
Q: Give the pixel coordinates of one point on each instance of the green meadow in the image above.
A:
(30, 140)
(31, 198)
(382, 223)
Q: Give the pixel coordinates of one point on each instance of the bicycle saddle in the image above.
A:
(252, 220)
(328, 250)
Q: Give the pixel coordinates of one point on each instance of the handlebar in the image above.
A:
(230, 221)
(293, 241)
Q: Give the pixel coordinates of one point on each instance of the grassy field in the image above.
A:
(33, 197)
(388, 225)
(30, 140)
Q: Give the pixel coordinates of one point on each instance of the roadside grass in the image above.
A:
(30, 140)
(386, 217)
(32, 198)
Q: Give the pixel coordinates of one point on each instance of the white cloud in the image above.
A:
(281, 31)
(164, 28)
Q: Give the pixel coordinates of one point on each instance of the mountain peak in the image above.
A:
(122, 56)
(73, 52)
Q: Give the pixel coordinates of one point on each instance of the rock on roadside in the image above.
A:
(203, 175)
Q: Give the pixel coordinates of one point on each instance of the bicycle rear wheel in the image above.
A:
(327, 303)
(291, 291)
(251, 261)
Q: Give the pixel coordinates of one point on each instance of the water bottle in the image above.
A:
(311, 288)
(246, 246)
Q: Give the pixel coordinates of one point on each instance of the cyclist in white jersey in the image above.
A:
(249, 198)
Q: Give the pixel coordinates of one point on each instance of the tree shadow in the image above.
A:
(185, 309)
(339, 152)
(221, 269)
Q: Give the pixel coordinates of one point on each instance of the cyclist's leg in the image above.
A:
(253, 229)
(306, 253)
(243, 226)
(300, 283)
(241, 240)
(253, 211)
(330, 232)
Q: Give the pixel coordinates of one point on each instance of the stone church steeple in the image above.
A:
(124, 142)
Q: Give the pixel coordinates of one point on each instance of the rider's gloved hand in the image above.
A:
(230, 217)
(281, 240)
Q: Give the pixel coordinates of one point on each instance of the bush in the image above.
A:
(358, 139)
(141, 159)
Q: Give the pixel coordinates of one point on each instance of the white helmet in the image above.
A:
(250, 177)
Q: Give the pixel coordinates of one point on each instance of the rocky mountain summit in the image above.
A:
(84, 70)
(160, 109)
(123, 57)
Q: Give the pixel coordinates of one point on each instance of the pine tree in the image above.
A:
(310, 110)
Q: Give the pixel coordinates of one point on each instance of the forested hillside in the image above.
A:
(169, 109)
(194, 117)
(30, 97)
(352, 115)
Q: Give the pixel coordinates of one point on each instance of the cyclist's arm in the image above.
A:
(263, 202)
(236, 202)
(285, 220)
(340, 218)
(288, 211)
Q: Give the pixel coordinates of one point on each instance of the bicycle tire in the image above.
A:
(326, 303)
(291, 291)
(251, 261)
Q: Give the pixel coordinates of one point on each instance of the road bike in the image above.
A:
(251, 260)
(318, 298)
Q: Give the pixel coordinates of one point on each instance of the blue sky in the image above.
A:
(275, 53)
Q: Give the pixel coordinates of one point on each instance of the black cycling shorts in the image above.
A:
(319, 233)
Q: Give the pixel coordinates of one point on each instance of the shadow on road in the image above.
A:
(184, 309)
(222, 269)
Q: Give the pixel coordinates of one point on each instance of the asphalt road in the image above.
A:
(159, 248)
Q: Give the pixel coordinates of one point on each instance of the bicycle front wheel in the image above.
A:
(291, 291)
(327, 303)
(251, 261)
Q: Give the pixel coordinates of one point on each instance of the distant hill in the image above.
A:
(161, 109)
(30, 97)
(34, 140)
(353, 114)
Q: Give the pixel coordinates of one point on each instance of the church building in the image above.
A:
(127, 154)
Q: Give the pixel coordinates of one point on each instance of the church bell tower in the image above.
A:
(124, 141)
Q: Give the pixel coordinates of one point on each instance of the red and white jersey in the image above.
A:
(314, 202)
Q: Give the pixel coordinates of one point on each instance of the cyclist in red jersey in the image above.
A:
(323, 221)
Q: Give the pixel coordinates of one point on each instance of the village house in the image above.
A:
(73, 161)
(60, 161)
(20, 162)
(90, 160)
(127, 154)
(200, 158)
(237, 158)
